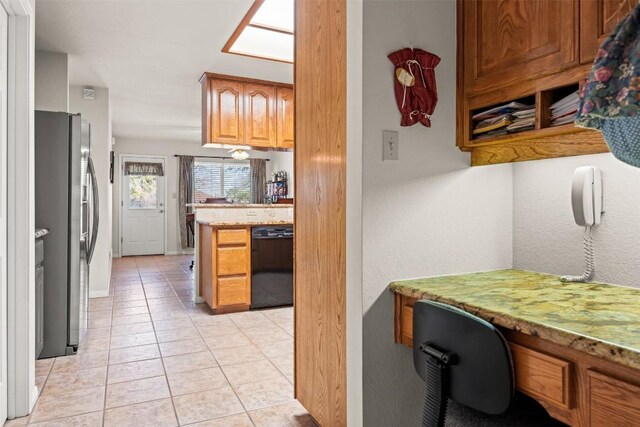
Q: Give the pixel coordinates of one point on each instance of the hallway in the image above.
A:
(151, 357)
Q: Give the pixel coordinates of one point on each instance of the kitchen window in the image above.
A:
(215, 179)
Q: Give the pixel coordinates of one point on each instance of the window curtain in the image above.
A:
(185, 195)
(258, 179)
(143, 168)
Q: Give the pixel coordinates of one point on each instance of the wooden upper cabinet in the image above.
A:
(260, 115)
(242, 111)
(227, 118)
(285, 102)
(598, 18)
(506, 41)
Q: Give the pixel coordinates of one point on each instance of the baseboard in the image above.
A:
(182, 252)
(99, 294)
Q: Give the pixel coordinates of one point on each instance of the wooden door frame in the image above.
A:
(328, 210)
(121, 158)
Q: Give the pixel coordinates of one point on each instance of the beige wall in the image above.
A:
(51, 81)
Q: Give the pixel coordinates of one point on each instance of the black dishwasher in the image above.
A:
(271, 266)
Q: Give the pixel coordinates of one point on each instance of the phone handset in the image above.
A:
(587, 201)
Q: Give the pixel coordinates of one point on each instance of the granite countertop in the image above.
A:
(237, 205)
(223, 223)
(599, 319)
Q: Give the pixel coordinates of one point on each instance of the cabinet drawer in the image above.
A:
(612, 402)
(232, 290)
(233, 237)
(542, 376)
(233, 260)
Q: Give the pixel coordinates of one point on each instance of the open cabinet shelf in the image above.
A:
(546, 57)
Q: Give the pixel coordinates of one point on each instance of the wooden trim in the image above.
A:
(270, 28)
(243, 23)
(246, 22)
(460, 92)
(266, 58)
(320, 214)
(207, 76)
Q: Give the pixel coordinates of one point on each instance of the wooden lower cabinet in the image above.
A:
(225, 268)
(574, 387)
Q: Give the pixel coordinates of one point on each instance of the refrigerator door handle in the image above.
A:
(95, 209)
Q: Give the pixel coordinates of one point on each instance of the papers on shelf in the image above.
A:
(501, 109)
(502, 122)
(522, 124)
(564, 110)
(524, 114)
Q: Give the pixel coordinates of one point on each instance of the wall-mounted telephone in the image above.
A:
(587, 201)
(586, 196)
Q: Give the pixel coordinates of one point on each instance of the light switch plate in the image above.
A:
(390, 145)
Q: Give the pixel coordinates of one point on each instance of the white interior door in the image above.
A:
(3, 212)
(143, 211)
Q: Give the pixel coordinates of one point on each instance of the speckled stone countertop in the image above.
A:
(236, 205)
(599, 319)
(243, 223)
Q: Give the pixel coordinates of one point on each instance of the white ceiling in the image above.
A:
(150, 54)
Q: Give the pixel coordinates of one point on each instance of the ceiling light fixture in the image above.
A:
(240, 154)
(265, 32)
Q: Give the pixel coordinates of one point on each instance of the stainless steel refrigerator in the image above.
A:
(66, 204)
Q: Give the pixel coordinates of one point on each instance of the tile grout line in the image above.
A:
(164, 368)
(106, 380)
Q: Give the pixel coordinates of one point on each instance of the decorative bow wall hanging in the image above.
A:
(415, 85)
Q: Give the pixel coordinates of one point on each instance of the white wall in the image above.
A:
(98, 113)
(426, 214)
(167, 148)
(52, 81)
(546, 237)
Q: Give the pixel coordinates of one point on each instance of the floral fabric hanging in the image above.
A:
(415, 85)
(610, 100)
(143, 168)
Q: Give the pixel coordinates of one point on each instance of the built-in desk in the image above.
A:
(575, 346)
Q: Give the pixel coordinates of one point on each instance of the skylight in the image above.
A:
(266, 32)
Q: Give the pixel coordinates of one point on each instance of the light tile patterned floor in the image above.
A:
(151, 357)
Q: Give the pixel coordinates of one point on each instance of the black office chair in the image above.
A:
(460, 357)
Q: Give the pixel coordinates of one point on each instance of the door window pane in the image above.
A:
(143, 191)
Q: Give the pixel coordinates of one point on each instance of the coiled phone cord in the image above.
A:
(590, 268)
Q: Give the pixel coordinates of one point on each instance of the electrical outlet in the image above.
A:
(390, 145)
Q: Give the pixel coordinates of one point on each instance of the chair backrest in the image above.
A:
(481, 375)
(216, 200)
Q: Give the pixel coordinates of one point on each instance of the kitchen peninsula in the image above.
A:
(575, 346)
(224, 250)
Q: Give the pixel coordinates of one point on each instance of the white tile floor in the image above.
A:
(151, 357)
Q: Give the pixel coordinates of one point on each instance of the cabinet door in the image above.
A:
(598, 18)
(234, 260)
(227, 118)
(233, 290)
(612, 402)
(260, 115)
(510, 40)
(285, 118)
